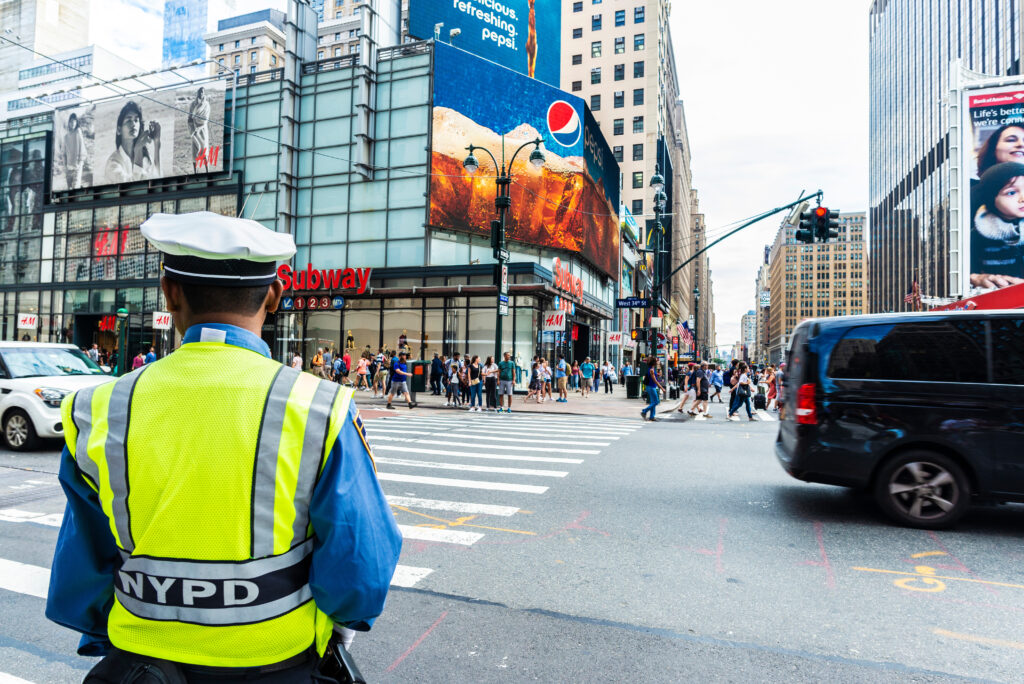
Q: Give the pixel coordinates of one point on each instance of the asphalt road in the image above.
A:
(667, 552)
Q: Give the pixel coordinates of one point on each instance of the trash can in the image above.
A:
(632, 386)
(673, 391)
(420, 370)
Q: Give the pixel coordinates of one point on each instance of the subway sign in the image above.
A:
(310, 278)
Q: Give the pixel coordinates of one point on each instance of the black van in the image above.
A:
(925, 409)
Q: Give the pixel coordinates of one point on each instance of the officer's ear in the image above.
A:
(274, 294)
(172, 294)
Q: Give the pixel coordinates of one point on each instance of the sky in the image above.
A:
(776, 101)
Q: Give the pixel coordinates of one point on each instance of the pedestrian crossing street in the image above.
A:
(759, 414)
(445, 477)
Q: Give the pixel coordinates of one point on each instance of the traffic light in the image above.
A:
(806, 231)
(826, 224)
(496, 236)
(638, 334)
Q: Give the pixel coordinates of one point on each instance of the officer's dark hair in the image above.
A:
(204, 299)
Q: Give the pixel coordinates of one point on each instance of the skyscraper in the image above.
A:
(46, 28)
(185, 23)
(912, 45)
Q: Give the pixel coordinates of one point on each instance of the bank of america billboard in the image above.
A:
(569, 203)
(144, 136)
(992, 182)
(523, 35)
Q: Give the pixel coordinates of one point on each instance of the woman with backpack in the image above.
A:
(742, 390)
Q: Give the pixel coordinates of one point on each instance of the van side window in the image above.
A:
(941, 351)
(1008, 351)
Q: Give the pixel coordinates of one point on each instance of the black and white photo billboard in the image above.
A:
(142, 136)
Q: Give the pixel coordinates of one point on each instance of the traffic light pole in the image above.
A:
(756, 219)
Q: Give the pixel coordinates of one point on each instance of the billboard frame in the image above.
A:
(230, 90)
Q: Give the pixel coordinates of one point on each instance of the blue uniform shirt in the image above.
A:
(355, 551)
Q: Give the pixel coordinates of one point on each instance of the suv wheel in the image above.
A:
(19, 434)
(923, 489)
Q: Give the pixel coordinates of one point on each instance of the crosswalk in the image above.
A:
(480, 466)
(451, 461)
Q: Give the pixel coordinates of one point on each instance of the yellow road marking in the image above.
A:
(955, 579)
(459, 522)
(929, 553)
(978, 639)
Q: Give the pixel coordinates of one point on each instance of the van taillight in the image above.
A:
(805, 410)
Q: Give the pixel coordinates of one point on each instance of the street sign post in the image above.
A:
(632, 303)
(503, 305)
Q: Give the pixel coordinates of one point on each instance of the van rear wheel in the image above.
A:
(923, 489)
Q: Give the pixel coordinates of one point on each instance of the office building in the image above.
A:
(248, 43)
(815, 280)
(44, 26)
(762, 304)
(748, 334)
(912, 45)
(186, 22)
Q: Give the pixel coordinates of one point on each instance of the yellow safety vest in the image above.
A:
(205, 463)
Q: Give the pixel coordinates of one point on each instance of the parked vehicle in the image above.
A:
(926, 410)
(34, 378)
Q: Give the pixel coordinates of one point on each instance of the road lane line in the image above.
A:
(468, 484)
(468, 467)
(523, 426)
(483, 436)
(435, 535)
(979, 639)
(454, 506)
(11, 679)
(17, 516)
(24, 578)
(493, 457)
(508, 447)
(407, 576)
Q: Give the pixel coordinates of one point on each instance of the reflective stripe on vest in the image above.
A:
(297, 405)
(215, 593)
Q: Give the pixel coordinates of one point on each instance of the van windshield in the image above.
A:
(35, 362)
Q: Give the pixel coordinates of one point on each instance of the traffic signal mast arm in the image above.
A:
(759, 217)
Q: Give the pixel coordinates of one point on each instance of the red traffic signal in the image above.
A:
(820, 212)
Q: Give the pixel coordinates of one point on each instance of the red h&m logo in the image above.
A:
(108, 324)
(207, 157)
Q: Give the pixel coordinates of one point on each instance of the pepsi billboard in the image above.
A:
(569, 203)
(523, 35)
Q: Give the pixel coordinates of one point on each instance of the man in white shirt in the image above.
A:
(297, 361)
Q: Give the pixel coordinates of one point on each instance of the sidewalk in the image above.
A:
(613, 405)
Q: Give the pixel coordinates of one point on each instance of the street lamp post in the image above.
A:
(657, 184)
(502, 202)
(696, 322)
(122, 341)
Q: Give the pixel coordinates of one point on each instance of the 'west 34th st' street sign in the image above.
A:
(632, 303)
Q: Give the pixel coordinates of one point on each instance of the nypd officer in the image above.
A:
(223, 510)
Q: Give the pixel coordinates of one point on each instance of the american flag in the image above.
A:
(913, 294)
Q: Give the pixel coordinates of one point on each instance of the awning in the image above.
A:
(1004, 298)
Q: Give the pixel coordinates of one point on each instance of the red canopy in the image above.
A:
(1004, 298)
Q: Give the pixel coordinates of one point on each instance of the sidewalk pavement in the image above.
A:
(614, 405)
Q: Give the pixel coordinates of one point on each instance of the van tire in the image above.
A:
(19, 433)
(923, 489)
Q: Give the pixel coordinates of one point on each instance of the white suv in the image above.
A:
(34, 378)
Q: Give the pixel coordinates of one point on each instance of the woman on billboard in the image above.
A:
(997, 250)
(74, 153)
(137, 156)
(198, 116)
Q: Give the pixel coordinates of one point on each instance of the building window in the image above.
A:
(638, 69)
(252, 70)
(617, 125)
(275, 44)
(595, 103)
(337, 52)
(619, 99)
(319, 54)
(617, 153)
(252, 56)
(577, 7)
(638, 207)
(638, 41)
(252, 41)
(595, 49)
(638, 152)
(339, 14)
(577, 59)
(577, 86)
(638, 124)
(238, 59)
(620, 17)
(221, 47)
(638, 178)
(577, 33)
(620, 45)
(273, 60)
(638, 15)
(638, 96)
(337, 36)
(221, 61)
(238, 43)
(620, 72)
(595, 22)
(595, 75)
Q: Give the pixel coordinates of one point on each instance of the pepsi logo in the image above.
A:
(564, 123)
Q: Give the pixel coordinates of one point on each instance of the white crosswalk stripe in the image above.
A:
(766, 416)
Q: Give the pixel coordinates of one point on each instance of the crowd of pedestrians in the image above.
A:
(467, 382)
(702, 383)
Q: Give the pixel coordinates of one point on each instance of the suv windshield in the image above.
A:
(32, 362)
